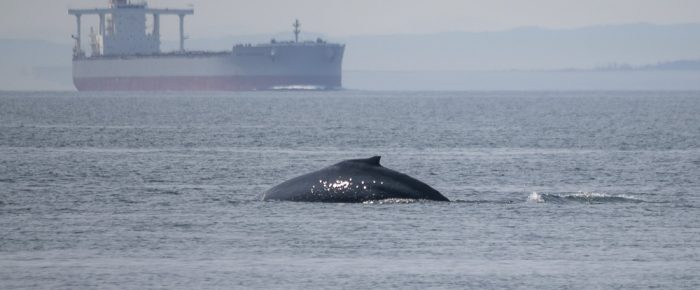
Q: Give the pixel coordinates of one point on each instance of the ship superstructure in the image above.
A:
(126, 55)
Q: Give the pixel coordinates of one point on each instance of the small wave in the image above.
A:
(242, 201)
(126, 200)
(182, 225)
(484, 201)
(585, 197)
(392, 201)
(162, 191)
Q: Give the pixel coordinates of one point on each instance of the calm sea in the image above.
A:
(551, 190)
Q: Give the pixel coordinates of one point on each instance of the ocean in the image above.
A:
(550, 190)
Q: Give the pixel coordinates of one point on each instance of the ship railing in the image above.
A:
(157, 55)
(285, 43)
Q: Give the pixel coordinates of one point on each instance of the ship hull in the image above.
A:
(262, 67)
(206, 83)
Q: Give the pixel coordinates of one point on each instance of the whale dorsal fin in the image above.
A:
(374, 160)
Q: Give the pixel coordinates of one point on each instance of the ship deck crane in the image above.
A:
(120, 5)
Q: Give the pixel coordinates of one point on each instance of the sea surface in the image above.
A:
(550, 190)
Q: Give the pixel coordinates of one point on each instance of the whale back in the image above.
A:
(355, 180)
(372, 161)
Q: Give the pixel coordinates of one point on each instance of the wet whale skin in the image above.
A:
(356, 180)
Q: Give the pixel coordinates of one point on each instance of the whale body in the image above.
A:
(356, 180)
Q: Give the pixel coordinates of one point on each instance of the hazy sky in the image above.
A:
(47, 19)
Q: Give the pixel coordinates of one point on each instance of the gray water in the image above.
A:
(551, 190)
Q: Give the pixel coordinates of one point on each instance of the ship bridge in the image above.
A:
(122, 28)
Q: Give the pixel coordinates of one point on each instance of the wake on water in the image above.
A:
(585, 197)
(534, 197)
(392, 201)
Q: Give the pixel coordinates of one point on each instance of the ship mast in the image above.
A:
(296, 25)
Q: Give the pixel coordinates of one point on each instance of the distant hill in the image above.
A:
(525, 48)
(674, 65)
(627, 47)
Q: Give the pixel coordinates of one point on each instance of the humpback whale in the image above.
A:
(355, 180)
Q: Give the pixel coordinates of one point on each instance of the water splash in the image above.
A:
(535, 197)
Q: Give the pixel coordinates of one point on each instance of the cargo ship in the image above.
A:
(125, 55)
